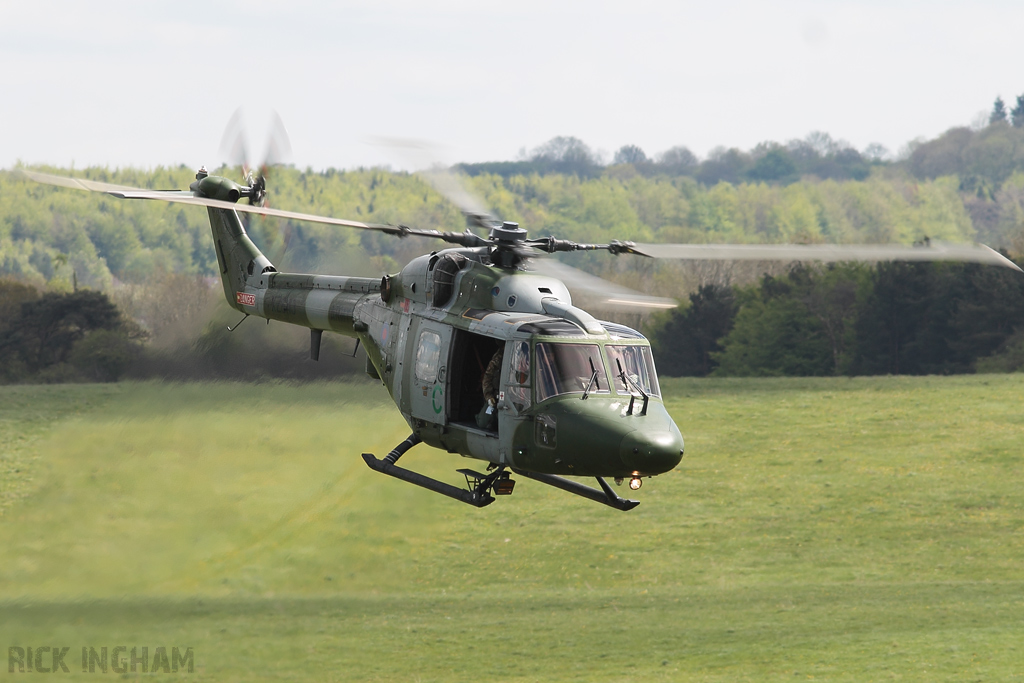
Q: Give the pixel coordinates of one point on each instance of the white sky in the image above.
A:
(154, 83)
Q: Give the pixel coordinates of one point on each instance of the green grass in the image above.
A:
(833, 529)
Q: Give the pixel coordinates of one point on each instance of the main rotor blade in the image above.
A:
(186, 197)
(437, 175)
(455, 191)
(934, 251)
(602, 291)
(74, 183)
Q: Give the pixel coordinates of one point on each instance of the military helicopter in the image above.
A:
(572, 395)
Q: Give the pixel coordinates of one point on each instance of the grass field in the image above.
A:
(833, 529)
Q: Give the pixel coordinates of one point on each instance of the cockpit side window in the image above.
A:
(519, 375)
(568, 369)
(637, 363)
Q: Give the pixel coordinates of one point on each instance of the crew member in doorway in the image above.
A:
(488, 416)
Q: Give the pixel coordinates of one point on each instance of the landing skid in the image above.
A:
(605, 496)
(479, 496)
(481, 485)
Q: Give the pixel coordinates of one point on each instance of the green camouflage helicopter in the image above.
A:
(483, 356)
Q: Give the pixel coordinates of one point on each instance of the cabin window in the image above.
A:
(569, 369)
(519, 376)
(428, 355)
(637, 363)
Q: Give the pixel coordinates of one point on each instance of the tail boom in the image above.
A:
(320, 302)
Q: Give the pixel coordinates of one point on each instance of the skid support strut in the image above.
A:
(477, 497)
(605, 496)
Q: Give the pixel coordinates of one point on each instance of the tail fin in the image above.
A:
(238, 258)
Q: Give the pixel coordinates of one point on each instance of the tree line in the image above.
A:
(812, 320)
(50, 235)
(850, 319)
(983, 156)
(156, 264)
(966, 184)
(85, 336)
(817, 155)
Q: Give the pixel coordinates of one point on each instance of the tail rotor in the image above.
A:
(235, 148)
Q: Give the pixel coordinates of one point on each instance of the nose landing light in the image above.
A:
(635, 483)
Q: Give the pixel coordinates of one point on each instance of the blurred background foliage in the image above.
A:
(155, 262)
(849, 319)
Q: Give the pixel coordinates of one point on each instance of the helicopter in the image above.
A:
(569, 395)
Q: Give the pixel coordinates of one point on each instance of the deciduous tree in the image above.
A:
(685, 342)
(629, 154)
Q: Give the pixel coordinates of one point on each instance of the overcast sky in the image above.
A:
(155, 83)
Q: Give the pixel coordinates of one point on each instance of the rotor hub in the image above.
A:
(508, 233)
(257, 189)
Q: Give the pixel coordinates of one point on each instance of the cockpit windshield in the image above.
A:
(568, 369)
(637, 363)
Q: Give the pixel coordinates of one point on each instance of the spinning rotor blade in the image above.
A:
(601, 291)
(233, 144)
(446, 183)
(931, 251)
(186, 197)
(279, 148)
(235, 147)
(466, 239)
(439, 177)
(75, 183)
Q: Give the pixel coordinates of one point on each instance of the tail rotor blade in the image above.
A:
(233, 144)
(279, 150)
(279, 147)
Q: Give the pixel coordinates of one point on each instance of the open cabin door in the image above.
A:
(429, 358)
(471, 354)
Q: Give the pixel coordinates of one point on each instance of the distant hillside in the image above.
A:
(967, 184)
(48, 233)
(817, 155)
(157, 260)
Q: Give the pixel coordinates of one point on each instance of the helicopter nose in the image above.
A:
(652, 452)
